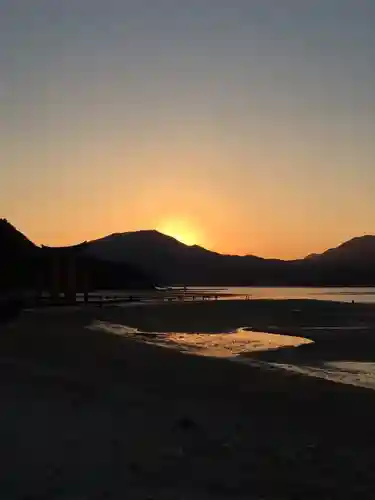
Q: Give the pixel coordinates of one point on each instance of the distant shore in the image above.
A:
(87, 414)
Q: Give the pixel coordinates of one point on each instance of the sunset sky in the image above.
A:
(246, 126)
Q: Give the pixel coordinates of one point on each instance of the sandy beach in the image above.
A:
(94, 413)
(337, 338)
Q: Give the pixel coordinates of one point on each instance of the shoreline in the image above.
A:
(87, 414)
(266, 333)
(311, 338)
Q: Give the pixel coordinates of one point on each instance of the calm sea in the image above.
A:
(358, 294)
(363, 295)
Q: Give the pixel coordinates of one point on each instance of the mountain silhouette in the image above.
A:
(170, 261)
(13, 242)
(141, 258)
(22, 262)
(17, 254)
(360, 249)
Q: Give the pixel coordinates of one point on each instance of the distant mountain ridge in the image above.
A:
(352, 262)
(149, 253)
(12, 241)
(17, 254)
(360, 247)
(21, 261)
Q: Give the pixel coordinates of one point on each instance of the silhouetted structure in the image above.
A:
(64, 271)
(26, 268)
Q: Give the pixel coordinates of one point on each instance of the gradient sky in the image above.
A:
(247, 126)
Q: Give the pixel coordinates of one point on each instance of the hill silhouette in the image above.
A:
(13, 242)
(351, 263)
(141, 258)
(21, 261)
(17, 257)
(359, 249)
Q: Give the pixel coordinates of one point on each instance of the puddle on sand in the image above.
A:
(231, 345)
(207, 344)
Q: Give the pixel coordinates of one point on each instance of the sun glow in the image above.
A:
(181, 230)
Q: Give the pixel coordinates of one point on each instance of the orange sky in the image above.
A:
(246, 129)
(266, 209)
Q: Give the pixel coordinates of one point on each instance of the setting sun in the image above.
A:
(179, 229)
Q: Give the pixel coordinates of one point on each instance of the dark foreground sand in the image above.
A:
(90, 415)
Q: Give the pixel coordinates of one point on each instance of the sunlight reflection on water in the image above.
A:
(231, 345)
(358, 294)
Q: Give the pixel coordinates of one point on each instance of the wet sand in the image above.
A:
(87, 414)
(338, 339)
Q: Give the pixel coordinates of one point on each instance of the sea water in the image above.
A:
(336, 294)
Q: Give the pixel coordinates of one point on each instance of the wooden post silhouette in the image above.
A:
(55, 281)
(85, 284)
(70, 279)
